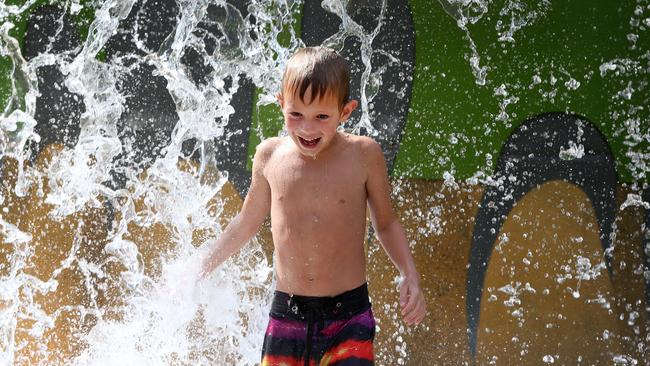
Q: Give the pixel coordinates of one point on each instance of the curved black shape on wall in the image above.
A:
(232, 148)
(531, 156)
(50, 29)
(149, 115)
(397, 38)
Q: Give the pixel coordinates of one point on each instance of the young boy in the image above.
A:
(316, 183)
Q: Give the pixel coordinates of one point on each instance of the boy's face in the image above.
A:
(312, 126)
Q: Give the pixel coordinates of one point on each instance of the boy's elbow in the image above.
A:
(386, 226)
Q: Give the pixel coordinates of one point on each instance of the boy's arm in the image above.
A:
(243, 227)
(390, 233)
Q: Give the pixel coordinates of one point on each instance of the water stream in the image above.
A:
(101, 230)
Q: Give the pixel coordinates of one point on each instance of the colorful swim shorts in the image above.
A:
(320, 331)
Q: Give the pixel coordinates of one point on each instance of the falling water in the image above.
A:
(101, 233)
(130, 310)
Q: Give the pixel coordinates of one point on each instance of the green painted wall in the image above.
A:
(572, 39)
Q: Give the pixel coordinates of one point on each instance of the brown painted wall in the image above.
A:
(543, 230)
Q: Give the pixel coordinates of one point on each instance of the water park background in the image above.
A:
(516, 132)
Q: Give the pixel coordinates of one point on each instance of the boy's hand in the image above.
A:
(201, 261)
(411, 299)
(204, 271)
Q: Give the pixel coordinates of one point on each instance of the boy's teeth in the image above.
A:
(307, 141)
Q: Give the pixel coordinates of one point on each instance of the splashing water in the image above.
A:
(469, 12)
(101, 235)
(349, 28)
(133, 313)
(171, 322)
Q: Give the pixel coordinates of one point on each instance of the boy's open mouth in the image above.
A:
(308, 143)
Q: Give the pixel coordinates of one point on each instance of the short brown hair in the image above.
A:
(321, 68)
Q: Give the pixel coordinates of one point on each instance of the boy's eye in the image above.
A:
(295, 114)
(322, 116)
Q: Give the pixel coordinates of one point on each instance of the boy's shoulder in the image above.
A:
(268, 146)
(366, 145)
(362, 141)
(272, 147)
(264, 151)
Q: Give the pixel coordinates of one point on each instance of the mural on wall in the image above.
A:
(516, 134)
(528, 160)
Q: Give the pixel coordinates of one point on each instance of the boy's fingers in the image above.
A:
(408, 307)
(411, 319)
(419, 314)
(202, 275)
(412, 302)
(413, 296)
(411, 313)
(415, 311)
(414, 318)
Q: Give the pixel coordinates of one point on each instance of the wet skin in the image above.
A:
(318, 198)
(316, 183)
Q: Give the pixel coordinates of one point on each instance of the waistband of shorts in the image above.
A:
(324, 307)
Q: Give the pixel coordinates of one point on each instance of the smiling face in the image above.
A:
(312, 124)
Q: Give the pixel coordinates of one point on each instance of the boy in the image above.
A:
(316, 183)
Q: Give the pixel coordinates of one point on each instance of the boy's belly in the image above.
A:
(325, 271)
(319, 249)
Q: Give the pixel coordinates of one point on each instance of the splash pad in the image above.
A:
(126, 137)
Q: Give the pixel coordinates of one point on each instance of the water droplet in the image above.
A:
(548, 359)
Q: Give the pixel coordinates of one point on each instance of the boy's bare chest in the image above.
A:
(301, 184)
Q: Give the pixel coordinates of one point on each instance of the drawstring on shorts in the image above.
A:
(313, 313)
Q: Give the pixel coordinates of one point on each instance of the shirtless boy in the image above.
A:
(316, 183)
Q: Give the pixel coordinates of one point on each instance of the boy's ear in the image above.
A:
(348, 108)
(280, 99)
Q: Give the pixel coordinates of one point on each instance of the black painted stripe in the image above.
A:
(531, 156)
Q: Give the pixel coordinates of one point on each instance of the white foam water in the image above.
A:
(179, 320)
(131, 314)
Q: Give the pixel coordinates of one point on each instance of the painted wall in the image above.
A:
(530, 249)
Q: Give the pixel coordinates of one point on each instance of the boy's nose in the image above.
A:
(308, 125)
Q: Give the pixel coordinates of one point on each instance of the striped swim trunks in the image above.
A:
(320, 331)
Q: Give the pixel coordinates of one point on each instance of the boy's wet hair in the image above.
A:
(321, 68)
